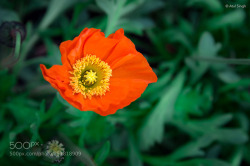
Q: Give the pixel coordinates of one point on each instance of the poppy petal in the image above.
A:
(100, 46)
(56, 72)
(133, 66)
(130, 77)
(127, 90)
(123, 48)
(72, 50)
(58, 77)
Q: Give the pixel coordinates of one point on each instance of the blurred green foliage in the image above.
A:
(197, 113)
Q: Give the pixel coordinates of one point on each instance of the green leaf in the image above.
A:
(136, 25)
(228, 75)
(8, 15)
(113, 9)
(5, 138)
(85, 116)
(212, 5)
(143, 7)
(7, 81)
(212, 128)
(60, 99)
(194, 101)
(177, 36)
(157, 42)
(54, 108)
(214, 122)
(54, 55)
(106, 5)
(134, 154)
(153, 90)
(56, 7)
(243, 83)
(123, 15)
(237, 156)
(228, 135)
(100, 124)
(186, 27)
(206, 48)
(191, 149)
(246, 149)
(97, 22)
(27, 110)
(131, 7)
(153, 128)
(34, 127)
(202, 162)
(102, 154)
(233, 19)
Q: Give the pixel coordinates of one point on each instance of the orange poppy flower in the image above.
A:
(100, 74)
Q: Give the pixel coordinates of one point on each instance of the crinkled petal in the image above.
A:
(133, 66)
(56, 73)
(72, 50)
(59, 79)
(130, 77)
(123, 48)
(122, 93)
(100, 46)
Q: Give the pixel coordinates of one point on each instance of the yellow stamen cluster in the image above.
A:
(90, 77)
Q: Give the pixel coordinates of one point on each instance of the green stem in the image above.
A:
(222, 60)
(237, 157)
(26, 48)
(55, 8)
(33, 61)
(109, 28)
(84, 157)
(114, 17)
(18, 44)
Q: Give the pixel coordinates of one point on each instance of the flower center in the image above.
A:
(90, 77)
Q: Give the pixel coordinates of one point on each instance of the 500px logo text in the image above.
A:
(23, 145)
